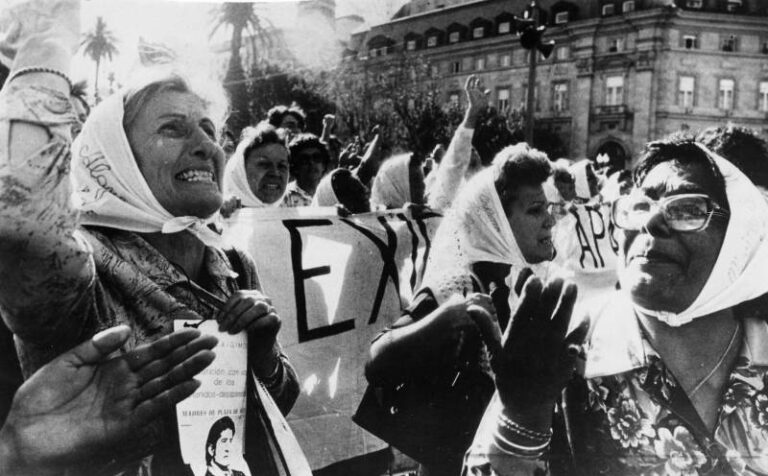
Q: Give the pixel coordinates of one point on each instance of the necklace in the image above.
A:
(719, 362)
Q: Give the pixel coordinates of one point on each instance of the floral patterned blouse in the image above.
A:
(633, 418)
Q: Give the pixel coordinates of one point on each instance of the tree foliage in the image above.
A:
(243, 20)
(272, 85)
(99, 43)
(400, 95)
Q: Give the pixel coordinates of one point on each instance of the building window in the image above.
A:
(694, 3)
(410, 45)
(615, 45)
(434, 70)
(614, 90)
(561, 17)
(733, 5)
(764, 47)
(504, 27)
(479, 64)
(725, 98)
(502, 99)
(608, 9)
(455, 67)
(453, 37)
(562, 53)
(728, 43)
(524, 101)
(685, 95)
(506, 60)
(453, 99)
(560, 97)
(690, 42)
(763, 96)
(478, 32)
(431, 42)
(628, 6)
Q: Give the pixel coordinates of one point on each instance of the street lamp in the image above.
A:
(530, 32)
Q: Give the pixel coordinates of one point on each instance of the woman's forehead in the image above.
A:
(676, 177)
(531, 193)
(167, 103)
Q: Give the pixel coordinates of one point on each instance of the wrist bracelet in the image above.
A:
(521, 430)
(515, 449)
(40, 69)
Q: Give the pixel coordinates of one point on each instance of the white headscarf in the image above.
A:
(475, 229)
(392, 186)
(110, 190)
(324, 195)
(236, 180)
(739, 273)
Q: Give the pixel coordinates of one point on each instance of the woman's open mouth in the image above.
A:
(196, 175)
(271, 187)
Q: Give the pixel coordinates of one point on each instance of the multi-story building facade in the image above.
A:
(623, 72)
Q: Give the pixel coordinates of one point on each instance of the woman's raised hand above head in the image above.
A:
(537, 358)
(52, 26)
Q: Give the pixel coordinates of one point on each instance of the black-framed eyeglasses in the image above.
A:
(686, 212)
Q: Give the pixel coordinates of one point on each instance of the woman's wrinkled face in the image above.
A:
(266, 168)
(174, 142)
(665, 270)
(311, 166)
(532, 224)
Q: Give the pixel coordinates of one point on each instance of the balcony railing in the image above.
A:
(617, 109)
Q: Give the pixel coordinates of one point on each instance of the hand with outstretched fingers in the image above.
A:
(252, 311)
(536, 358)
(477, 100)
(84, 401)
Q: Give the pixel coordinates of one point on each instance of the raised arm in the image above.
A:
(533, 365)
(371, 160)
(456, 160)
(45, 269)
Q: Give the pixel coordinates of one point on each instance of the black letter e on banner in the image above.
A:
(299, 276)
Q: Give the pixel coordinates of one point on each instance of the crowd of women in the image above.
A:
(649, 357)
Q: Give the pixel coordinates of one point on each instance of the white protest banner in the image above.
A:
(212, 421)
(336, 283)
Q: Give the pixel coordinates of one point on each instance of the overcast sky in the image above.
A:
(185, 25)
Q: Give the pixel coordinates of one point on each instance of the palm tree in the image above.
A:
(99, 43)
(243, 19)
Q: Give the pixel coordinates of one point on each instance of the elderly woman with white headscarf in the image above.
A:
(400, 180)
(257, 173)
(499, 224)
(135, 248)
(675, 376)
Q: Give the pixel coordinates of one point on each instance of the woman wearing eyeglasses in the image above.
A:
(675, 372)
